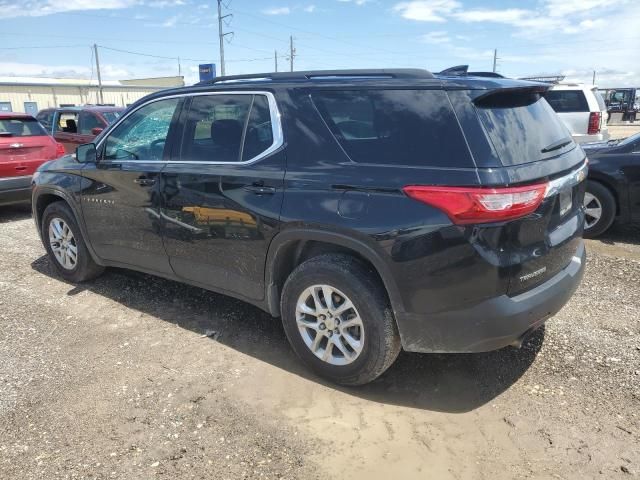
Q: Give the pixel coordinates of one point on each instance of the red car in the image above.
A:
(24, 146)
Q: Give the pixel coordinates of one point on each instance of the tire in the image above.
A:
(378, 340)
(597, 195)
(83, 267)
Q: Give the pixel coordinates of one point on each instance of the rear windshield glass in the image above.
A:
(20, 127)
(521, 128)
(567, 101)
(395, 127)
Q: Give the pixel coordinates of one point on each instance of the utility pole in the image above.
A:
(95, 51)
(221, 36)
(275, 52)
(495, 59)
(179, 68)
(593, 81)
(292, 52)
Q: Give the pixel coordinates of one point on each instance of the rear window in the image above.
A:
(521, 126)
(567, 101)
(395, 127)
(21, 127)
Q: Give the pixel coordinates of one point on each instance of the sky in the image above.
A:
(145, 38)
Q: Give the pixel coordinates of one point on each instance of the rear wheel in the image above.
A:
(65, 245)
(600, 209)
(337, 317)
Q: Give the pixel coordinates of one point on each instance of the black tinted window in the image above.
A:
(259, 134)
(521, 131)
(565, 101)
(20, 127)
(217, 124)
(403, 127)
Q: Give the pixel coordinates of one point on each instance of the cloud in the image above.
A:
(427, 10)
(437, 38)
(17, 69)
(563, 8)
(37, 8)
(277, 11)
(310, 8)
(357, 2)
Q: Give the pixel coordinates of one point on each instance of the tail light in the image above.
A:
(594, 123)
(59, 150)
(466, 205)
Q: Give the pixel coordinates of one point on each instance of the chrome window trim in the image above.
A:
(276, 128)
(569, 180)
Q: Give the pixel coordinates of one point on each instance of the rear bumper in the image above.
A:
(493, 323)
(603, 136)
(15, 190)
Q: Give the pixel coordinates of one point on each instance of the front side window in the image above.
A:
(88, 121)
(227, 128)
(143, 134)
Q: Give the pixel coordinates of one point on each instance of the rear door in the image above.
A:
(24, 146)
(222, 196)
(534, 147)
(121, 193)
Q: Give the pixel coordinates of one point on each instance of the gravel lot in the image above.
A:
(133, 377)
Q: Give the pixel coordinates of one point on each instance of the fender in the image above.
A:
(48, 190)
(619, 189)
(284, 238)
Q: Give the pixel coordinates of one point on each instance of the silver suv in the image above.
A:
(582, 109)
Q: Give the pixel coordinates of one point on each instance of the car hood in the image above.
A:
(64, 162)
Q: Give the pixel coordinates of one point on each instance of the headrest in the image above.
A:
(227, 133)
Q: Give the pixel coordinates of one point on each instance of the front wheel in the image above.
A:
(65, 245)
(337, 317)
(600, 209)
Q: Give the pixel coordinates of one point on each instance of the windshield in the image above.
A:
(111, 117)
(629, 140)
(21, 127)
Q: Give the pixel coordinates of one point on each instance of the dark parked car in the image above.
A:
(73, 126)
(613, 189)
(371, 210)
(24, 146)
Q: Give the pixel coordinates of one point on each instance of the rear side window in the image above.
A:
(20, 127)
(45, 119)
(567, 101)
(226, 128)
(395, 127)
(521, 126)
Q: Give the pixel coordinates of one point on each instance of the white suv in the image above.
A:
(582, 109)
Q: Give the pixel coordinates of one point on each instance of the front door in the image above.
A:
(222, 196)
(120, 195)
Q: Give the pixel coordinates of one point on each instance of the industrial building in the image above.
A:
(31, 94)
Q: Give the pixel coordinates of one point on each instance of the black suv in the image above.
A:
(371, 210)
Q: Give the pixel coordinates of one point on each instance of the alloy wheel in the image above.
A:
(330, 325)
(63, 243)
(593, 210)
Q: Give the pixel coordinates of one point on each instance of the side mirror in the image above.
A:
(96, 130)
(86, 153)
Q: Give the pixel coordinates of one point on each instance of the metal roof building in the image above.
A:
(30, 94)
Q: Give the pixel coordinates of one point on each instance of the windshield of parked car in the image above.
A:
(111, 117)
(20, 127)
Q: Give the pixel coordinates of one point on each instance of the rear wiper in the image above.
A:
(6, 134)
(557, 145)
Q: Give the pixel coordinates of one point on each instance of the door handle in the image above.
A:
(145, 182)
(260, 189)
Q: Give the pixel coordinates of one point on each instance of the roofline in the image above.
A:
(86, 85)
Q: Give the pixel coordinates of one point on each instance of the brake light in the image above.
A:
(466, 205)
(59, 150)
(594, 123)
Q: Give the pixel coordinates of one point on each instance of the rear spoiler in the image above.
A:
(512, 96)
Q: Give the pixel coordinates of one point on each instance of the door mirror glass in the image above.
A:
(96, 131)
(86, 153)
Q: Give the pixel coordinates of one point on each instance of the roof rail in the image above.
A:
(458, 70)
(399, 73)
(485, 74)
(555, 79)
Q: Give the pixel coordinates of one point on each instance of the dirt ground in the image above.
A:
(135, 377)
(623, 131)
